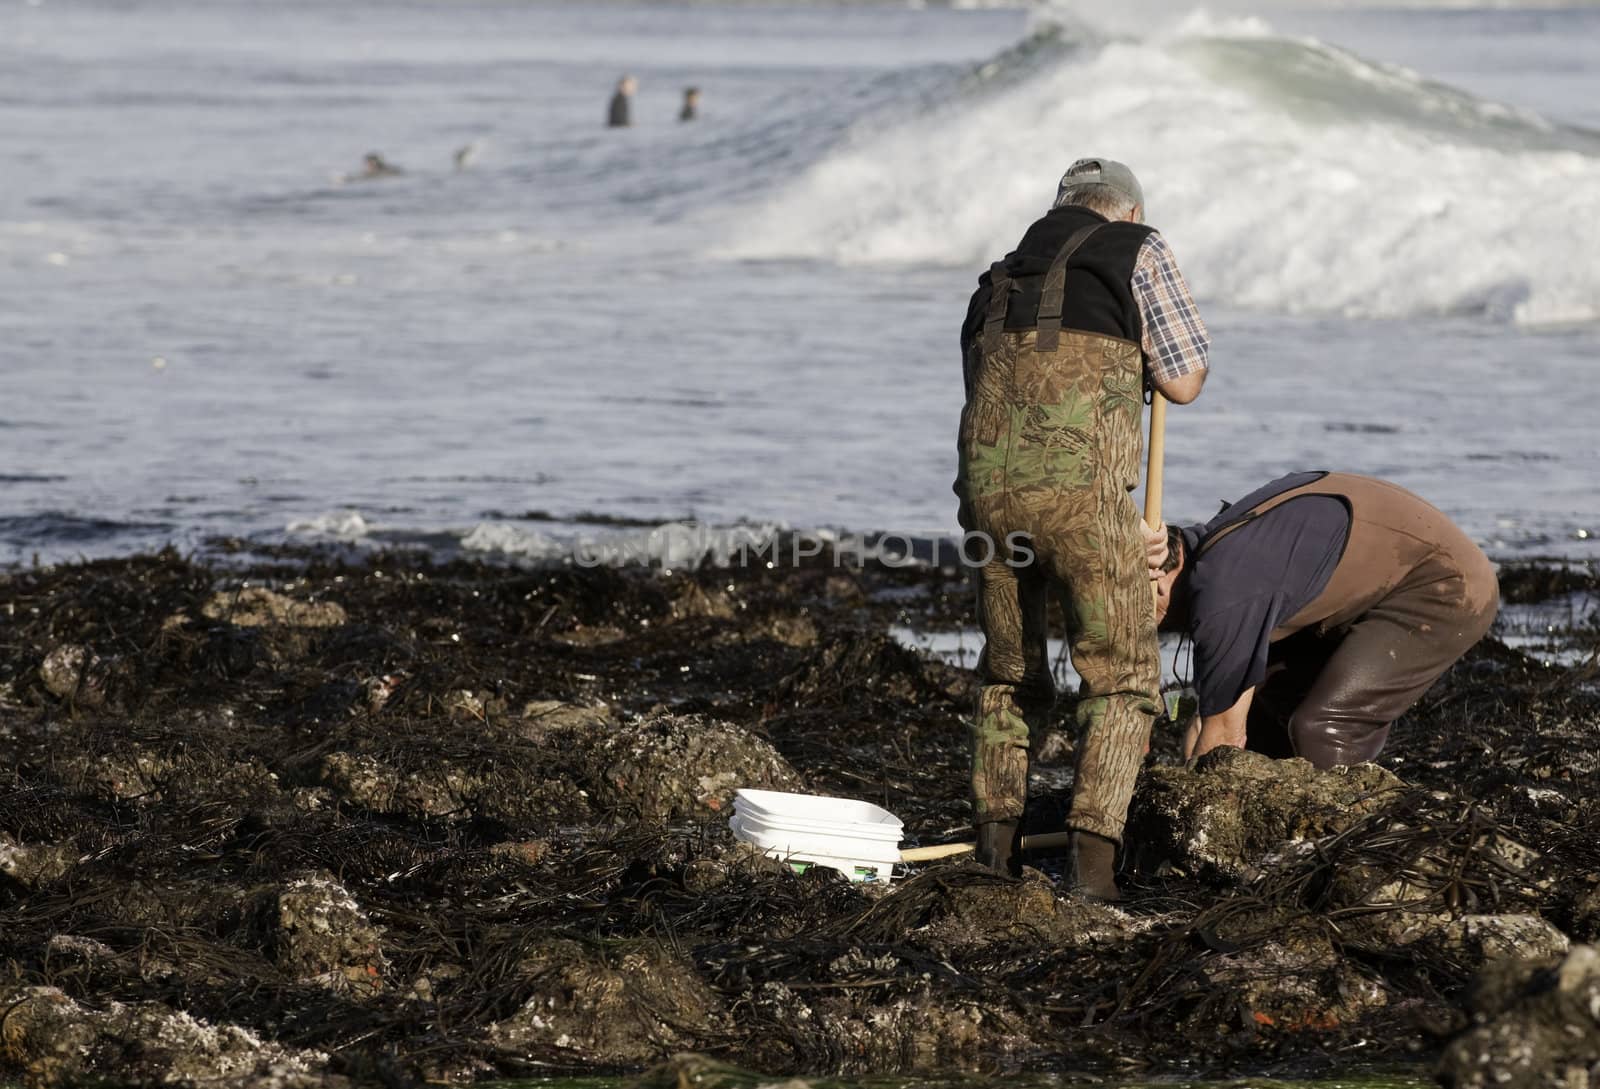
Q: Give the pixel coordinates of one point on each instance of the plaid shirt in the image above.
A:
(1175, 340)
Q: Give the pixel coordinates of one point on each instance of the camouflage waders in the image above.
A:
(1050, 449)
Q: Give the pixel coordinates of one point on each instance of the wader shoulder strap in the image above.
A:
(1314, 487)
(1053, 296)
(1226, 529)
(999, 295)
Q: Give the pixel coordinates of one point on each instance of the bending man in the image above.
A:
(1322, 606)
(1059, 342)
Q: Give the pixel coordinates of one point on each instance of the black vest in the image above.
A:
(1099, 285)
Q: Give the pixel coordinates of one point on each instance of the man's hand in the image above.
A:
(1155, 547)
(1216, 731)
(1191, 737)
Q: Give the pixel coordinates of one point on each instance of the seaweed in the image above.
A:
(423, 759)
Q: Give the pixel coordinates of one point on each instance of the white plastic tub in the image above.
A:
(859, 839)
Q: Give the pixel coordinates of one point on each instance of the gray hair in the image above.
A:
(1108, 200)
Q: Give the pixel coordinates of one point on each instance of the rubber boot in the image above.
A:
(1092, 866)
(997, 841)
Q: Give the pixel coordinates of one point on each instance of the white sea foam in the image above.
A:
(670, 545)
(1289, 175)
(346, 526)
(510, 540)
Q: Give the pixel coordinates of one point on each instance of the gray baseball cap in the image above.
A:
(1102, 172)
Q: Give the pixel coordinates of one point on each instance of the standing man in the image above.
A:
(620, 113)
(1322, 606)
(1060, 341)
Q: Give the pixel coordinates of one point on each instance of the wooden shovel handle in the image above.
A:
(1155, 467)
(946, 850)
(1154, 473)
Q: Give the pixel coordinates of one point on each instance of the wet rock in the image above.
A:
(631, 1005)
(46, 1035)
(590, 635)
(922, 1030)
(542, 719)
(181, 1049)
(73, 672)
(1221, 818)
(703, 875)
(131, 774)
(1586, 917)
(973, 908)
(1537, 1026)
(68, 954)
(1495, 937)
(859, 662)
(434, 792)
(198, 778)
(528, 852)
(448, 791)
(62, 668)
(467, 704)
(368, 782)
(796, 630)
(257, 607)
(361, 780)
(312, 799)
(792, 631)
(197, 905)
(695, 601)
(678, 766)
(1473, 940)
(323, 936)
(80, 948)
(534, 804)
(377, 690)
(51, 1039)
(31, 865)
(1285, 977)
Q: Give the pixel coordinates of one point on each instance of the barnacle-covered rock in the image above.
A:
(675, 766)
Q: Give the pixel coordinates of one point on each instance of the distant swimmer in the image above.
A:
(465, 154)
(620, 115)
(374, 166)
(691, 104)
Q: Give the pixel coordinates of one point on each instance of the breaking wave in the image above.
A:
(1289, 174)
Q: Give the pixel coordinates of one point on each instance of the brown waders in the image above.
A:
(1410, 595)
(1050, 449)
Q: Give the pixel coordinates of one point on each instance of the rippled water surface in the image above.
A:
(208, 330)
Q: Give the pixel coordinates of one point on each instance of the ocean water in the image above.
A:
(1391, 219)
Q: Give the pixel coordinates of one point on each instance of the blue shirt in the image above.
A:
(1254, 578)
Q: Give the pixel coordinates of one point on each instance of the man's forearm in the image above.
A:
(1181, 391)
(1228, 728)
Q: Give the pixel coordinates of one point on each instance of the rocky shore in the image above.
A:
(297, 821)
